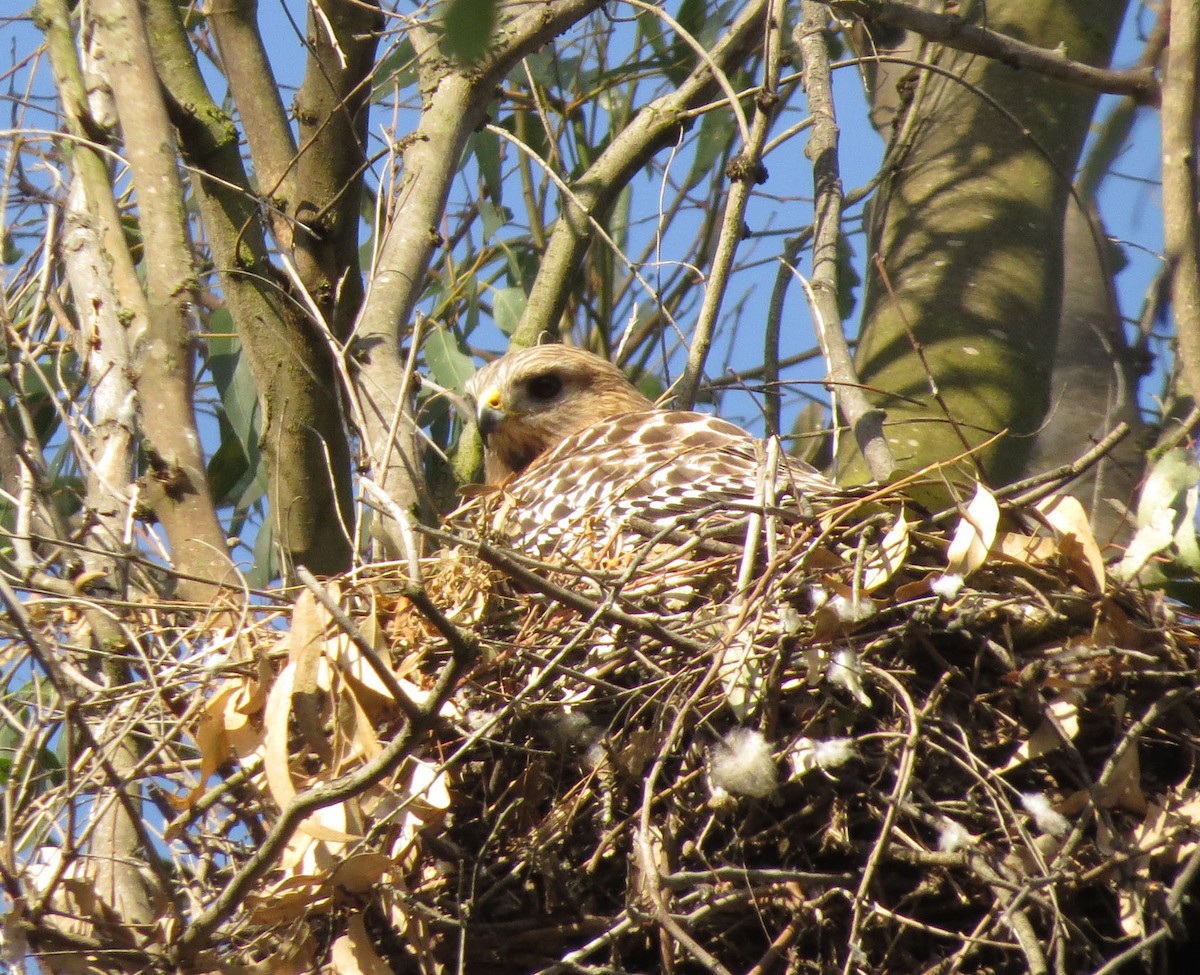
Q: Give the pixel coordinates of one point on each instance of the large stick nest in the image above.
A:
(865, 742)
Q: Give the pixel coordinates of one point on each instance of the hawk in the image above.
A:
(586, 469)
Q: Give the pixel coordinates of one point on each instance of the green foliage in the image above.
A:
(10, 253)
(469, 25)
(507, 308)
(449, 363)
(236, 469)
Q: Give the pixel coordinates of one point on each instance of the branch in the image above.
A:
(331, 109)
(456, 105)
(745, 171)
(255, 92)
(865, 420)
(953, 31)
(162, 320)
(655, 124)
(1180, 233)
(303, 440)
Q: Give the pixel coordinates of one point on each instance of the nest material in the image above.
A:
(998, 778)
(860, 743)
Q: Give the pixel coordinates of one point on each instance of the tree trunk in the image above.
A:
(967, 229)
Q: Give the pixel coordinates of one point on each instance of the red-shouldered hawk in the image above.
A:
(586, 467)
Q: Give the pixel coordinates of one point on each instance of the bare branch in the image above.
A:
(745, 171)
(655, 124)
(865, 420)
(954, 31)
(163, 325)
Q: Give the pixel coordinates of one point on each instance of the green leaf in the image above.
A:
(469, 25)
(494, 217)
(712, 145)
(12, 253)
(486, 148)
(848, 277)
(235, 385)
(448, 361)
(541, 69)
(508, 307)
(396, 69)
(264, 569)
(228, 464)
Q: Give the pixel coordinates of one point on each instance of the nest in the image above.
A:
(867, 742)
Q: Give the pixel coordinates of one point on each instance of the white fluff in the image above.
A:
(952, 837)
(947, 586)
(1044, 815)
(806, 754)
(845, 671)
(853, 610)
(741, 764)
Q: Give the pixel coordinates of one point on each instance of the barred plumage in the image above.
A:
(587, 469)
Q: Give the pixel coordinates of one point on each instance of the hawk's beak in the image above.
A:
(489, 414)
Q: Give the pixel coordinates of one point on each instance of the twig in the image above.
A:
(900, 787)
(718, 73)
(1117, 962)
(745, 171)
(1183, 430)
(1016, 918)
(195, 937)
(71, 705)
(408, 707)
(771, 364)
(1033, 489)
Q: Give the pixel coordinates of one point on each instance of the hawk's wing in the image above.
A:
(619, 480)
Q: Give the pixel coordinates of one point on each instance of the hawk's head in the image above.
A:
(530, 400)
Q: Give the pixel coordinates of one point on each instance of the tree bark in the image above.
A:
(303, 442)
(967, 229)
(161, 319)
(1094, 383)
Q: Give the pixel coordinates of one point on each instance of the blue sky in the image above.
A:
(1129, 198)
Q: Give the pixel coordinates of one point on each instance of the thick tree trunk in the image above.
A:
(967, 229)
(1094, 382)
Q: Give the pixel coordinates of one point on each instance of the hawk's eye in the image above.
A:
(545, 386)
